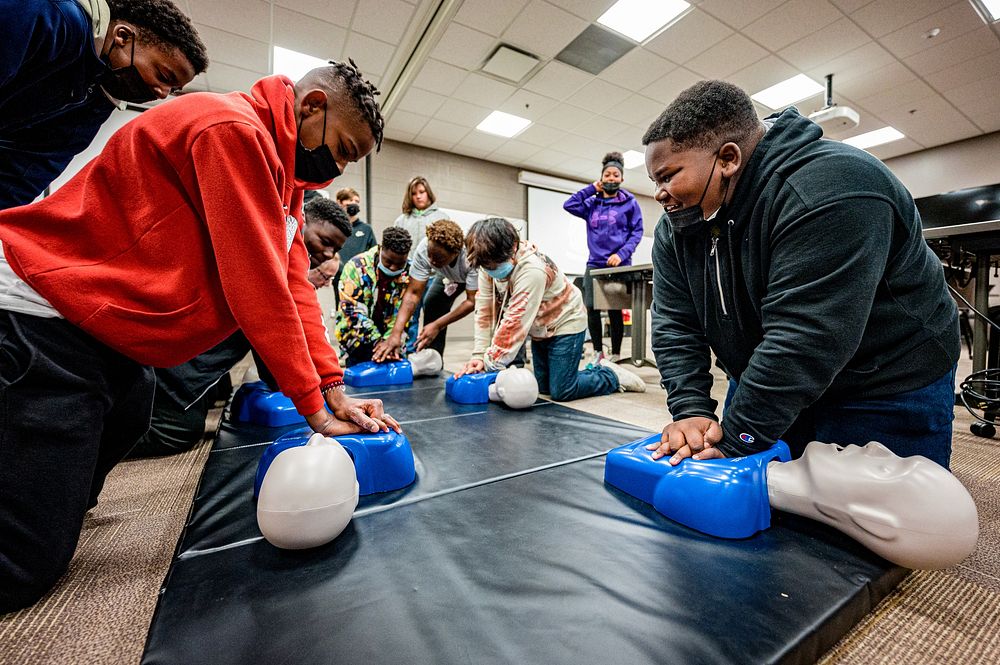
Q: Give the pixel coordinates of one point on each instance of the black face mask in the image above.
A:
(689, 220)
(611, 187)
(317, 165)
(125, 83)
(353, 209)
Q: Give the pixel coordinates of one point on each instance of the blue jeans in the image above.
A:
(917, 422)
(413, 327)
(556, 361)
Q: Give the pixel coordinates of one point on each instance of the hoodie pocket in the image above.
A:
(150, 338)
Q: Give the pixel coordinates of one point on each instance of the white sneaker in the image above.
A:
(628, 381)
(615, 357)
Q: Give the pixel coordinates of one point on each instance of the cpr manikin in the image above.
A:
(308, 495)
(516, 387)
(910, 510)
(425, 363)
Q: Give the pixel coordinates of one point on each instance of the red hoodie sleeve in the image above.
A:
(238, 175)
(323, 355)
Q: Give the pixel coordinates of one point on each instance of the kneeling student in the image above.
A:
(523, 293)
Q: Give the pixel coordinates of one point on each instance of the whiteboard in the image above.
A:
(562, 236)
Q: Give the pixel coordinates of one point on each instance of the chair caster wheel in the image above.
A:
(984, 430)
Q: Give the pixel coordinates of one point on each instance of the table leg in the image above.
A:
(980, 331)
(640, 305)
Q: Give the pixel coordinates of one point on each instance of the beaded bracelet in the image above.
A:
(333, 385)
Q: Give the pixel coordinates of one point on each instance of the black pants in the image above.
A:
(594, 325)
(437, 303)
(70, 409)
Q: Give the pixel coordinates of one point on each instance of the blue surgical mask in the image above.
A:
(502, 271)
(390, 273)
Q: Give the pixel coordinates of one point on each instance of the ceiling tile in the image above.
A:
(791, 22)
(433, 143)
(666, 89)
(857, 65)
(763, 74)
(482, 141)
(971, 94)
(462, 113)
(516, 151)
(230, 49)
(823, 46)
(895, 149)
(933, 120)
(983, 69)
(953, 21)
(489, 16)
(900, 96)
(566, 117)
(884, 16)
(602, 127)
(308, 35)
(470, 151)
(421, 101)
(637, 110)
(464, 47)
(399, 135)
(439, 77)
(738, 14)
(636, 69)
(695, 32)
(543, 29)
(630, 138)
(371, 55)
(848, 6)
(443, 131)
(528, 105)
(552, 159)
(557, 80)
(540, 135)
(479, 89)
(730, 55)
(594, 95)
(385, 20)
(406, 121)
(588, 10)
(247, 18)
(226, 78)
(863, 86)
(945, 56)
(985, 115)
(338, 12)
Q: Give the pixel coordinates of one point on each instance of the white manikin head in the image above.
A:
(251, 375)
(908, 510)
(516, 387)
(425, 362)
(308, 495)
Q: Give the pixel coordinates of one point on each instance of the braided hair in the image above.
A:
(163, 23)
(348, 78)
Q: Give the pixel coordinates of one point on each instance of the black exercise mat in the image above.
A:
(454, 445)
(547, 567)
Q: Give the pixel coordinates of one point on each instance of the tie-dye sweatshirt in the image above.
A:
(536, 300)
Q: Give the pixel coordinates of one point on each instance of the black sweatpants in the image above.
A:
(70, 409)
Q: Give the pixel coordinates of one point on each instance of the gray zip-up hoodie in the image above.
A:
(813, 284)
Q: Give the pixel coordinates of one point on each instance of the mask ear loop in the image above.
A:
(708, 182)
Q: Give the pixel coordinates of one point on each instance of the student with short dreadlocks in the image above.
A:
(97, 286)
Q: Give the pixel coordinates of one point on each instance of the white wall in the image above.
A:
(970, 163)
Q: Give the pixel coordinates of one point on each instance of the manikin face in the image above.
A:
(421, 199)
(163, 68)
(680, 176)
(322, 240)
(439, 256)
(908, 509)
(347, 134)
(392, 260)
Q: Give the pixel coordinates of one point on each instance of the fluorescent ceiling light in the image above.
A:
(877, 137)
(503, 124)
(638, 19)
(787, 92)
(989, 10)
(634, 158)
(293, 64)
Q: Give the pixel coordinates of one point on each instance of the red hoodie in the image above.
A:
(180, 232)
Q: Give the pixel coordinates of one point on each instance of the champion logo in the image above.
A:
(746, 438)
